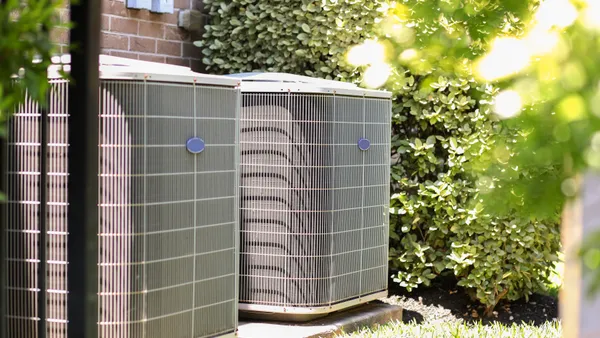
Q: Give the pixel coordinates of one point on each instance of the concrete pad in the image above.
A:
(367, 315)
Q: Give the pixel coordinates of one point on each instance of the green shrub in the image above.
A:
(301, 37)
(441, 126)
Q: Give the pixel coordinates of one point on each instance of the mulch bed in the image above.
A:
(443, 301)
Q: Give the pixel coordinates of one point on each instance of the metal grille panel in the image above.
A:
(314, 226)
(167, 219)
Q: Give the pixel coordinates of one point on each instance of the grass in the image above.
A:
(460, 330)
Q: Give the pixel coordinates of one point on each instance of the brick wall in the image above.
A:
(140, 34)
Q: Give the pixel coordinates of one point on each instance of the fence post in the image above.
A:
(82, 275)
(581, 217)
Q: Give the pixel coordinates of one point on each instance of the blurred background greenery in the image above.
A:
(544, 59)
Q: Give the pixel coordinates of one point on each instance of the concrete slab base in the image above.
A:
(367, 315)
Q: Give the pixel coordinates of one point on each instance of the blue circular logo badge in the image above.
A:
(364, 144)
(195, 145)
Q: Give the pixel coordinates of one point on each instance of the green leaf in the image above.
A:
(418, 143)
(303, 37)
(453, 143)
(306, 28)
(300, 52)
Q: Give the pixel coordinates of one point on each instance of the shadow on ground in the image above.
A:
(444, 301)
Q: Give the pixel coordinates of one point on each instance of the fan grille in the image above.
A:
(314, 205)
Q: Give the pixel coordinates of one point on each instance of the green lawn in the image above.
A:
(449, 327)
(461, 330)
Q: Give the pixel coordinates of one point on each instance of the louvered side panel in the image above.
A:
(22, 224)
(348, 182)
(168, 220)
(216, 216)
(120, 222)
(376, 190)
(57, 212)
(286, 199)
(264, 162)
(22, 219)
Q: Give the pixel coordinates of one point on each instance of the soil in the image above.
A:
(443, 301)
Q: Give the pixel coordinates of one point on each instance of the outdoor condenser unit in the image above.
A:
(315, 162)
(167, 225)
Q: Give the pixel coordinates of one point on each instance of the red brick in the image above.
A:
(59, 35)
(114, 8)
(169, 48)
(176, 33)
(122, 54)
(152, 58)
(118, 8)
(189, 50)
(123, 25)
(183, 4)
(113, 41)
(178, 61)
(63, 15)
(105, 23)
(163, 17)
(142, 45)
(154, 30)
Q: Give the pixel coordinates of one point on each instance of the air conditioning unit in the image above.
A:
(168, 224)
(315, 166)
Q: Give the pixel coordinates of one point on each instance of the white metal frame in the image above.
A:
(283, 83)
(117, 68)
(312, 311)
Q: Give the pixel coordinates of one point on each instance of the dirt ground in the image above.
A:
(444, 302)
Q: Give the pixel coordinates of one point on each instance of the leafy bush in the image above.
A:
(301, 37)
(441, 127)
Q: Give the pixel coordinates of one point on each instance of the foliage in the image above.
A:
(550, 329)
(308, 37)
(445, 133)
(441, 127)
(25, 52)
(551, 93)
(443, 34)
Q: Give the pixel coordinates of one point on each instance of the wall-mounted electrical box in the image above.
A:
(156, 6)
(162, 6)
(139, 4)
